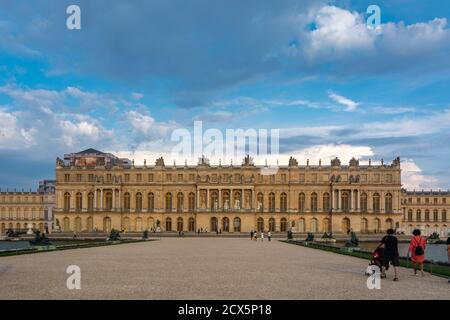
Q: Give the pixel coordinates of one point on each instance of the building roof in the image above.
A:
(90, 151)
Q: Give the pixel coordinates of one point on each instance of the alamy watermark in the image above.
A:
(73, 282)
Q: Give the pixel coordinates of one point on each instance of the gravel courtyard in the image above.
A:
(205, 268)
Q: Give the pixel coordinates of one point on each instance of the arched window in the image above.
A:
(78, 202)
(283, 225)
(214, 224)
(272, 202)
(314, 202)
(126, 201)
(168, 224)
(326, 225)
(364, 225)
(138, 224)
(90, 201)
(151, 202)
(435, 215)
(78, 224)
(138, 202)
(67, 201)
(283, 202)
(326, 202)
(272, 225)
(180, 200)
(191, 202)
(314, 225)
(444, 215)
(89, 224)
(237, 224)
(345, 201)
(301, 202)
(410, 215)
(66, 224)
(260, 225)
(168, 201)
(260, 202)
(363, 202)
(427, 215)
(108, 202)
(180, 224)
(388, 203)
(225, 224)
(376, 202)
(191, 223)
(214, 200)
(418, 215)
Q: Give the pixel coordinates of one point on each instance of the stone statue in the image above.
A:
(293, 162)
(237, 204)
(59, 162)
(159, 162)
(40, 240)
(226, 205)
(353, 242)
(354, 162)
(247, 161)
(396, 162)
(335, 162)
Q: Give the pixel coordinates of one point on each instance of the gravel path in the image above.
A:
(205, 268)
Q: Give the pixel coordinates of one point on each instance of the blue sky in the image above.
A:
(138, 70)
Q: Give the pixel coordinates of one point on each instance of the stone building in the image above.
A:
(20, 210)
(98, 191)
(427, 211)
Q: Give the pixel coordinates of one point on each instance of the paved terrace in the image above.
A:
(205, 268)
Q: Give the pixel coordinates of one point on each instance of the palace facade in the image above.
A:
(98, 191)
(20, 210)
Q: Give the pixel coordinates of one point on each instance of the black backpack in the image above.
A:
(419, 250)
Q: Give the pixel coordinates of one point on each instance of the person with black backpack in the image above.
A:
(417, 250)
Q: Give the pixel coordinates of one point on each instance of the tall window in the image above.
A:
(214, 200)
(283, 202)
(191, 224)
(151, 202)
(435, 215)
(79, 202)
(272, 225)
(444, 215)
(326, 202)
(314, 202)
(260, 200)
(388, 203)
(283, 225)
(180, 199)
(410, 215)
(418, 215)
(301, 202)
(376, 203)
(109, 201)
(138, 202)
(427, 215)
(90, 201)
(272, 202)
(126, 201)
(168, 224)
(363, 202)
(345, 200)
(66, 201)
(191, 202)
(180, 224)
(168, 201)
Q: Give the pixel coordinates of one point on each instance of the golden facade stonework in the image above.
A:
(25, 210)
(426, 210)
(98, 191)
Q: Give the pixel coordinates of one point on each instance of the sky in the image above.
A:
(138, 70)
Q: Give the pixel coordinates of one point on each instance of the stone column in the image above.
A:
(101, 199)
(351, 200)
(208, 200)
(358, 201)
(333, 196)
(231, 199)
(198, 199)
(220, 199)
(339, 200)
(95, 200)
(113, 200)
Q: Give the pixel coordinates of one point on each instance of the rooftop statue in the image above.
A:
(335, 162)
(354, 162)
(247, 161)
(293, 162)
(159, 162)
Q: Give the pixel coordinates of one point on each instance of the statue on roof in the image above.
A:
(247, 161)
(293, 162)
(396, 162)
(204, 161)
(59, 162)
(354, 162)
(159, 162)
(335, 162)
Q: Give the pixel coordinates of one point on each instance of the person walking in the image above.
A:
(251, 235)
(262, 236)
(269, 235)
(417, 251)
(390, 253)
(255, 235)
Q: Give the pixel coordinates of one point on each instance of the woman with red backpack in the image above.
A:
(417, 251)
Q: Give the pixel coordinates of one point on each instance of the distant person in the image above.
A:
(417, 250)
(255, 235)
(390, 253)
(262, 236)
(269, 235)
(251, 235)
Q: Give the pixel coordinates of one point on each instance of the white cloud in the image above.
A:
(414, 179)
(137, 95)
(12, 135)
(147, 126)
(349, 104)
